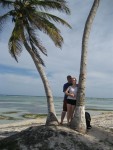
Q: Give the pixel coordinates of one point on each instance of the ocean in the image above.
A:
(17, 108)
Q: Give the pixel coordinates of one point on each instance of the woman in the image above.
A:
(71, 92)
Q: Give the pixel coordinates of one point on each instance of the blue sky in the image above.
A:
(22, 78)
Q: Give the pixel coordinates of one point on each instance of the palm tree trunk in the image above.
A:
(51, 117)
(78, 123)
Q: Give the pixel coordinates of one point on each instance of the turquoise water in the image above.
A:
(16, 106)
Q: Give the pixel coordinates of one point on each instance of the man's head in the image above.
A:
(69, 79)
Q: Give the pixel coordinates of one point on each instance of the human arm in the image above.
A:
(68, 93)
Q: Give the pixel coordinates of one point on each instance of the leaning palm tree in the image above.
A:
(78, 123)
(29, 16)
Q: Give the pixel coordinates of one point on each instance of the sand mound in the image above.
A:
(40, 137)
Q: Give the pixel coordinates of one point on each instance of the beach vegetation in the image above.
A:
(34, 116)
(28, 17)
(78, 122)
(10, 112)
(2, 117)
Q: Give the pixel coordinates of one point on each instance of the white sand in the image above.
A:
(12, 128)
(102, 129)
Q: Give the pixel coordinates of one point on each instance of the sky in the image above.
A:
(22, 78)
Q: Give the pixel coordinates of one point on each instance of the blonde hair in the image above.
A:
(73, 78)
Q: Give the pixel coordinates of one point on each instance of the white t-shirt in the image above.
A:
(72, 90)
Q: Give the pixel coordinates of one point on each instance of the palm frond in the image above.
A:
(60, 5)
(31, 48)
(53, 18)
(34, 49)
(14, 47)
(49, 28)
(36, 41)
(15, 43)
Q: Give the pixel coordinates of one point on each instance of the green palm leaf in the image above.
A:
(59, 5)
(49, 28)
(35, 40)
(34, 49)
(15, 42)
(53, 18)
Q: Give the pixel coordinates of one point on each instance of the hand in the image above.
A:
(72, 95)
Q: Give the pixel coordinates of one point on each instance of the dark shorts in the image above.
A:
(71, 101)
(65, 105)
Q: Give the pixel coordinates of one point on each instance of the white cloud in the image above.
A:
(23, 85)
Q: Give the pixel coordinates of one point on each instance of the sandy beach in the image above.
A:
(101, 132)
(103, 121)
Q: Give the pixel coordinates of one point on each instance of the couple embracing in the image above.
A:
(70, 89)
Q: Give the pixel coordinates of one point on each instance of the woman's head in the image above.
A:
(74, 80)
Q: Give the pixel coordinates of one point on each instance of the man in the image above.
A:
(66, 85)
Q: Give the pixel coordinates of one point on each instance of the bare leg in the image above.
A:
(72, 110)
(62, 116)
(68, 113)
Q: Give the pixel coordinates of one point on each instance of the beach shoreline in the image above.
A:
(101, 120)
(99, 136)
(5, 117)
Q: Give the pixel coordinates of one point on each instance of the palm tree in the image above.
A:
(78, 123)
(28, 16)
